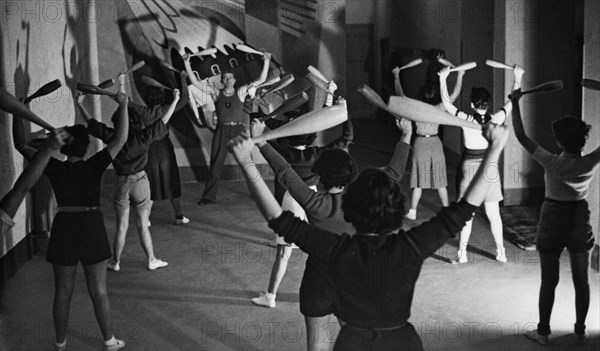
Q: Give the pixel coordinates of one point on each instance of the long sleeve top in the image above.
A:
(375, 276)
(303, 160)
(324, 209)
(133, 157)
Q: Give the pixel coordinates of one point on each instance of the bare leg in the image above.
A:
(279, 267)
(64, 283)
(443, 193)
(144, 232)
(122, 226)
(95, 277)
(416, 197)
(550, 263)
(492, 210)
(465, 234)
(319, 334)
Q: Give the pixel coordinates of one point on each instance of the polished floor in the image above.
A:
(220, 260)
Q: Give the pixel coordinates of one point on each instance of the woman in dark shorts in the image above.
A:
(564, 217)
(375, 270)
(78, 233)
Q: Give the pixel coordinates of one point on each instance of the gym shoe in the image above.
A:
(581, 339)
(540, 339)
(156, 264)
(265, 300)
(114, 266)
(501, 254)
(60, 346)
(412, 214)
(461, 257)
(182, 220)
(116, 345)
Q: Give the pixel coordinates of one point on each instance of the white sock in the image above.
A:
(112, 341)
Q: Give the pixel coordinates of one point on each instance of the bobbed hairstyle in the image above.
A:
(480, 98)
(78, 143)
(571, 133)
(430, 94)
(335, 168)
(374, 203)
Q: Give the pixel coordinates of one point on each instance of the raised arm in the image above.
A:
(397, 165)
(446, 100)
(265, 70)
(195, 82)
(167, 116)
(20, 141)
(116, 143)
(12, 200)
(457, 87)
(500, 116)
(517, 123)
(184, 95)
(84, 112)
(241, 147)
(397, 83)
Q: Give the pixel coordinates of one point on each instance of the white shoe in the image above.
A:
(114, 266)
(117, 345)
(183, 220)
(501, 254)
(265, 300)
(60, 346)
(540, 339)
(412, 214)
(156, 264)
(461, 257)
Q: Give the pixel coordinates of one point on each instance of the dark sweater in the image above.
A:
(133, 157)
(302, 160)
(375, 276)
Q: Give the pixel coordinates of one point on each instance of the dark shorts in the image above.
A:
(317, 292)
(78, 236)
(565, 224)
(405, 338)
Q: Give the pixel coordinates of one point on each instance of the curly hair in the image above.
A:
(79, 142)
(335, 168)
(480, 97)
(571, 132)
(374, 203)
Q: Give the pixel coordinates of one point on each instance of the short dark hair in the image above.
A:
(335, 168)
(374, 203)
(480, 97)
(78, 143)
(571, 132)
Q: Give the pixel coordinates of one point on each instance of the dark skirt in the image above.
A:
(78, 236)
(162, 170)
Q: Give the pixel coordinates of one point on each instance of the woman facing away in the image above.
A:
(375, 270)
(78, 233)
(428, 161)
(564, 217)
